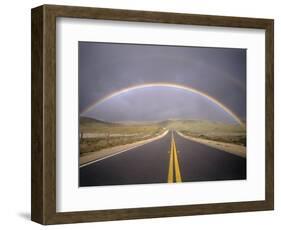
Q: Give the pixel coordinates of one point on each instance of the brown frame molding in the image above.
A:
(43, 188)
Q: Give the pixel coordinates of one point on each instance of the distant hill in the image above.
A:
(92, 125)
(188, 125)
(201, 126)
(87, 123)
(87, 120)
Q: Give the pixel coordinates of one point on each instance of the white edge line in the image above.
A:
(103, 158)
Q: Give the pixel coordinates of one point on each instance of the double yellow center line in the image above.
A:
(174, 174)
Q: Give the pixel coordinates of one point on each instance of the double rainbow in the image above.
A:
(170, 85)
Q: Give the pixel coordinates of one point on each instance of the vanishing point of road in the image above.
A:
(170, 159)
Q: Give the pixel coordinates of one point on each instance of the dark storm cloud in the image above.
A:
(105, 68)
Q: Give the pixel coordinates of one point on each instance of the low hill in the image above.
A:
(91, 125)
(202, 126)
(196, 126)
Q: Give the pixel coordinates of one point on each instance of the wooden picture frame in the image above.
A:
(43, 208)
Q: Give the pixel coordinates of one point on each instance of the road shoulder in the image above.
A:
(237, 150)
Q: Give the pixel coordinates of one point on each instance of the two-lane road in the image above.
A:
(169, 159)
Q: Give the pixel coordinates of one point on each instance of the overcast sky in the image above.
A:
(105, 68)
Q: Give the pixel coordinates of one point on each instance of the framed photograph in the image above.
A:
(140, 114)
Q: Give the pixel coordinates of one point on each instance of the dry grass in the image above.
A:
(96, 135)
(215, 131)
(95, 144)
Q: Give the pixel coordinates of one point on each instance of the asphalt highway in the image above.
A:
(171, 159)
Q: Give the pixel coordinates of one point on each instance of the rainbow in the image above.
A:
(164, 84)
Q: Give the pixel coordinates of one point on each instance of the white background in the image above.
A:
(15, 114)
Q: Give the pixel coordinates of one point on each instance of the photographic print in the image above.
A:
(161, 114)
(174, 111)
